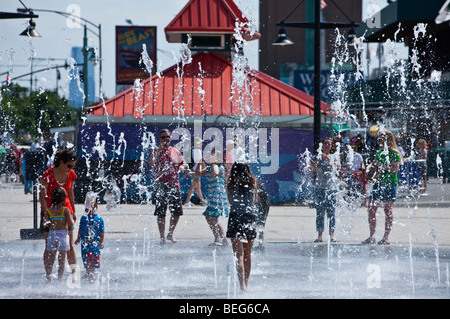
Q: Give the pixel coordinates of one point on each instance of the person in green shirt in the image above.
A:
(2, 153)
(384, 192)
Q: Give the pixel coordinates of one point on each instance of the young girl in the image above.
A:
(242, 194)
(91, 235)
(61, 173)
(58, 219)
(196, 179)
(217, 198)
(387, 160)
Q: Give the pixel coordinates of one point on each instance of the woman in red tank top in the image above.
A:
(60, 174)
(51, 183)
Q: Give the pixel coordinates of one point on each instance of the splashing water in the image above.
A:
(122, 144)
(178, 102)
(146, 60)
(241, 87)
(411, 264)
(439, 165)
(305, 187)
(100, 147)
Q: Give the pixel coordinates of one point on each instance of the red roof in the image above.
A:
(208, 16)
(205, 86)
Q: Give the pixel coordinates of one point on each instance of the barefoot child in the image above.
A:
(217, 196)
(58, 219)
(91, 235)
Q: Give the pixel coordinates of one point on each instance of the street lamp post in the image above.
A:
(317, 25)
(85, 49)
(317, 99)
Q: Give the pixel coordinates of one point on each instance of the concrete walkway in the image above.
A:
(134, 265)
(413, 214)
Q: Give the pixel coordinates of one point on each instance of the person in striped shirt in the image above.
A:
(217, 196)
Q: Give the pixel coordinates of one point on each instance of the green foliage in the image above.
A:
(36, 113)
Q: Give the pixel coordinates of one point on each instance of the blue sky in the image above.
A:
(58, 36)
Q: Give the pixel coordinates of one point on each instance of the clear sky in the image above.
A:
(58, 37)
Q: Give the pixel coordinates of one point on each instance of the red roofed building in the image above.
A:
(205, 88)
(203, 17)
(205, 85)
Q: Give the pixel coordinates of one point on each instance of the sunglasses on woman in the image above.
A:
(69, 166)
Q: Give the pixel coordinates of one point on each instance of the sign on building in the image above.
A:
(130, 44)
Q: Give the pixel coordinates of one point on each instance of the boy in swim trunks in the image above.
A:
(58, 219)
(91, 235)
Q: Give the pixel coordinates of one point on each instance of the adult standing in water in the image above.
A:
(325, 166)
(167, 163)
(384, 192)
(61, 173)
(242, 194)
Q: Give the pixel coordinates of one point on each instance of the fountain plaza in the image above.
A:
(134, 265)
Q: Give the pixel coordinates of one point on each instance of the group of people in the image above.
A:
(233, 192)
(327, 166)
(10, 162)
(240, 187)
(13, 159)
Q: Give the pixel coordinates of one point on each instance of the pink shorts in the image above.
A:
(58, 240)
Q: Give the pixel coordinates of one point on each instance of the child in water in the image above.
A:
(58, 219)
(242, 191)
(91, 235)
(217, 196)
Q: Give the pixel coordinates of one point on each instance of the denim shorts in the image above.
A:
(325, 201)
(384, 192)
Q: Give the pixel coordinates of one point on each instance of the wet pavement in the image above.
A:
(135, 265)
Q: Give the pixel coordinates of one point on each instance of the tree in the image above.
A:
(37, 113)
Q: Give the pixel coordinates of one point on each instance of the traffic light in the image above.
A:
(81, 74)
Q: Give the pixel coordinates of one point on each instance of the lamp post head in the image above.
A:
(93, 58)
(282, 38)
(30, 31)
(351, 39)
